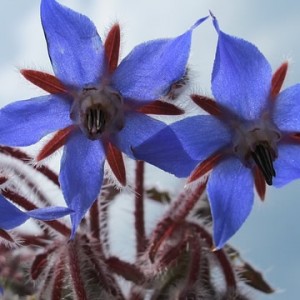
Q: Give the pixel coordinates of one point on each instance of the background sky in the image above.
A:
(270, 237)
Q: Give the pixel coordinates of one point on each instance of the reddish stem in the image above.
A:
(59, 275)
(139, 208)
(18, 154)
(39, 264)
(134, 295)
(220, 255)
(104, 276)
(172, 255)
(128, 271)
(6, 236)
(164, 230)
(94, 220)
(30, 240)
(186, 204)
(75, 272)
(194, 266)
(33, 188)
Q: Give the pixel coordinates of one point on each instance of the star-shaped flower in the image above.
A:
(249, 139)
(96, 105)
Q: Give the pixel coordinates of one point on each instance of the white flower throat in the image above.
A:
(98, 111)
(257, 140)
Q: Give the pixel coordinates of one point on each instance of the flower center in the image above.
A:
(98, 111)
(263, 155)
(256, 143)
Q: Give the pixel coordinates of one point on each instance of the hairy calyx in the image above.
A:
(98, 111)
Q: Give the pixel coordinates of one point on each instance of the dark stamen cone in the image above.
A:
(263, 157)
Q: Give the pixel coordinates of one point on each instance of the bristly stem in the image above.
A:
(59, 273)
(127, 270)
(139, 208)
(94, 220)
(105, 278)
(185, 204)
(78, 284)
(220, 255)
(194, 266)
(20, 155)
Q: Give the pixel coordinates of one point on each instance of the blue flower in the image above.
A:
(249, 139)
(99, 103)
(12, 217)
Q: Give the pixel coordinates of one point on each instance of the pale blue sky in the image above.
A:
(269, 238)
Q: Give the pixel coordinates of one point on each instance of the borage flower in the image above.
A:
(249, 139)
(12, 217)
(97, 106)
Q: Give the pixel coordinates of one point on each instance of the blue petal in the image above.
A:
(49, 213)
(24, 123)
(138, 128)
(148, 72)
(10, 215)
(201, 136)
(81, 174)
(151, 140)
(230, 192)
(241, 77)
(74, 46)
(287, 164)
(286, 109)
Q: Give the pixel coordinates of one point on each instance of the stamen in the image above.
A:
(95, 120)
(263, 157)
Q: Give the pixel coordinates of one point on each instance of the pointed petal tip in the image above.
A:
(215, 21)
(198, 22)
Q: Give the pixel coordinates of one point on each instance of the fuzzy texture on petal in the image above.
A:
(11, 216)
(24, 123)
(241, 77)
(201, 136)
(286, 109)
(74, 46)
(231, 195)
(81, 174)
(49, 213)
(287, 164)
(148, 139)
(138, 128)
(150, 69)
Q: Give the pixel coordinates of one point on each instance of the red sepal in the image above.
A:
(115, 160)
(161, 108)
(112, 47)
(45, 81)
(205, 167)
(278, 79)
(207, 104)
(260, 183)
(57, 141)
